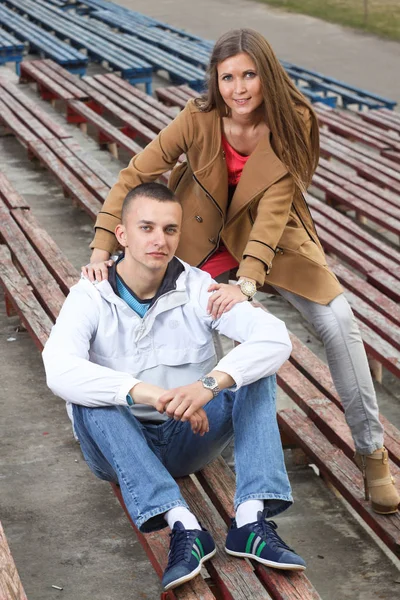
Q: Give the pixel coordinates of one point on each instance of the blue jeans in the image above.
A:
(144, 458)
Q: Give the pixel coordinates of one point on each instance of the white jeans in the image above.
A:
(337, 328)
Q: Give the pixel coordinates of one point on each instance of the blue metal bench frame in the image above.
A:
(11, 50)
(132, 68)
(43, 42)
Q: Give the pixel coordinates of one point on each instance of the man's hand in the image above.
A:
(183, 402)
(149, 394)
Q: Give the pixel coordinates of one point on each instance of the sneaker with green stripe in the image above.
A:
(189, 549)
(260, 542)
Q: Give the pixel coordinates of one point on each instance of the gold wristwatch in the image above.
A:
(248, 288)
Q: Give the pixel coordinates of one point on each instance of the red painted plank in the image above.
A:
(10, 583)
(349, 226)
(32, 315)
(342, 472)
(30, 72)
(9, 195)
(24, 135)
(218, 482)
(70, 83)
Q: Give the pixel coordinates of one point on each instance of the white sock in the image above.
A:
(247, 512)
(182, 514)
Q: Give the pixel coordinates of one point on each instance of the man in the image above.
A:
(134, 359)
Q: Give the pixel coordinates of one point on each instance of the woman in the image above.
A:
(251, 146)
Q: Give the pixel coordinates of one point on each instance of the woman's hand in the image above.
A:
(225, 296)
(97, 269)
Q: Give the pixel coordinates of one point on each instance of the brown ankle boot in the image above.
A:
(378, 482)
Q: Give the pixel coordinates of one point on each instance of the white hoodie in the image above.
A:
(100, 348)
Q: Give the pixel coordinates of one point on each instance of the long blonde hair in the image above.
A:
(295, 147)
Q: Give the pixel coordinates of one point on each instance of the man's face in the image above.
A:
(150, 233)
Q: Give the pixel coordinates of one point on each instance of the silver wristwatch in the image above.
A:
(210, 383)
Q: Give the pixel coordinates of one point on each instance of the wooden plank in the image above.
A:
(120, 98)
(10, 196)
(326, 118)
(367, 171)
(350, 227)
(355, 243)
(48, 292)
(79, 169)
(349, 175)
(394, 155)
(364, 290)
(342, 472)
(235, 577)
(26, 117)
(341, 196)
(156, 547)
(24, 135)
(140, 95)
(317, 372)
(10, 583)
(86, 157)
(53, 258)
(32, 315)
(70, 82)
(30, 72)
(219, 483)
(69, 182)
(112, 133)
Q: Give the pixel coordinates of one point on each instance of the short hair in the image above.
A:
(151, 190)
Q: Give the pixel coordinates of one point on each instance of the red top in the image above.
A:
(221, 261)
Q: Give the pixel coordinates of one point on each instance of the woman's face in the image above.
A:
(239, 84)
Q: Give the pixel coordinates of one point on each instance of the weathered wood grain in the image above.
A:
(10, 583)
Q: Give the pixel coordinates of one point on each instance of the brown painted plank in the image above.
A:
(10, 583)
(349, 226)
(56, 262)
(235, 577)
(219, 483)
(32, 315)
(31, 115)
(156, 547)
(10, 196)
(69, 182)
(48, 292)
(342, 472)
(170, 97)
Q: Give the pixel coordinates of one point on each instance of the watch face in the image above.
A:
(209, 382)
(248, 288)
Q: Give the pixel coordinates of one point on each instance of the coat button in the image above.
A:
(199, 219)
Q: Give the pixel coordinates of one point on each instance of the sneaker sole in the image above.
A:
(269, 563)
(190, 575)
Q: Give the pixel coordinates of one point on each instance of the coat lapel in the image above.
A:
(262, 169)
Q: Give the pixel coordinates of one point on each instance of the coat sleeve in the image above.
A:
(264, 340)
(272, 216)
(157, 158)
(69, 372)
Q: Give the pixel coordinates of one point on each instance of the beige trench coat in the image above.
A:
(267, 227)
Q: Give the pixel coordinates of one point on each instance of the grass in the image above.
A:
(373, 16)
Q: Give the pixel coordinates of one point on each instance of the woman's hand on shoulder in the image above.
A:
(225, 296)
(97, 269)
